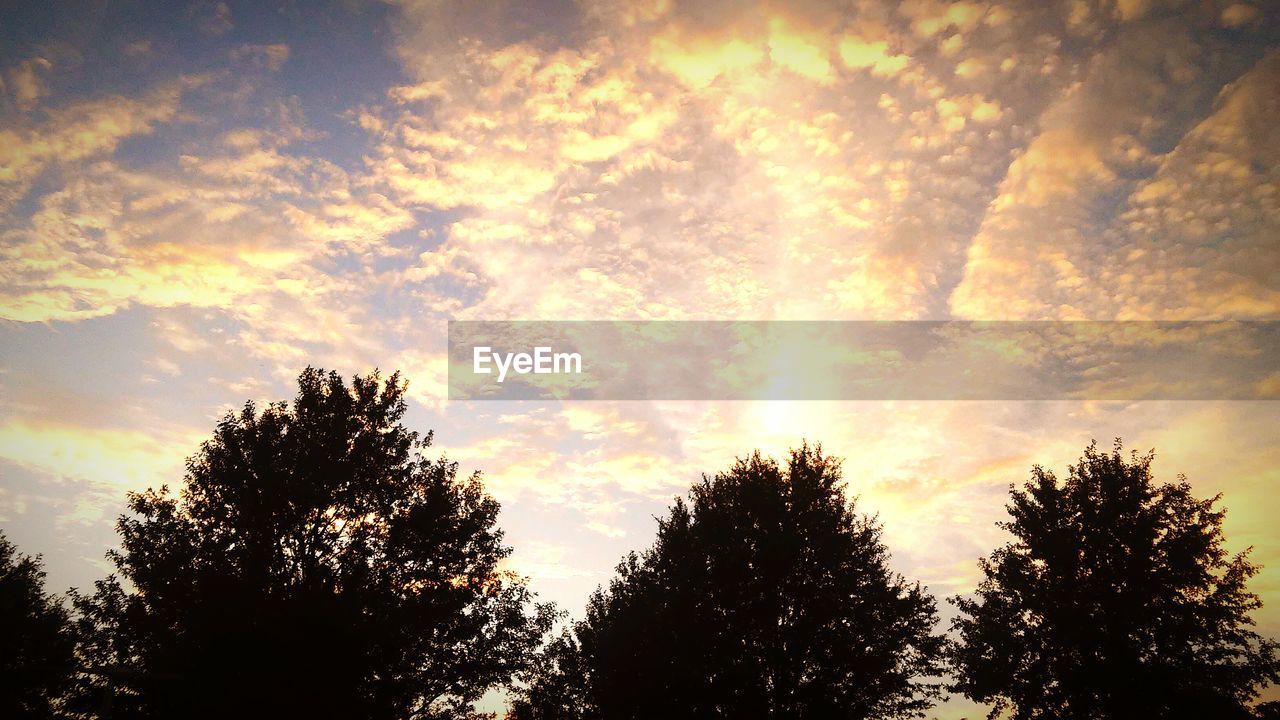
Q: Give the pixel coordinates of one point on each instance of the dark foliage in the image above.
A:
(1115, 599)
(558, 684)
(316, 564)
(37, 648)
(765, 596)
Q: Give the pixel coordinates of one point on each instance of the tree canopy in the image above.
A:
(766, 595)
(37, 647)
(1116, 598)
(315, 563)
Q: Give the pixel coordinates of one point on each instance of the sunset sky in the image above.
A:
(199, 199)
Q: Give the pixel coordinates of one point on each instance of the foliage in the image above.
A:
(315, 564)
(764, 596)
(37, 647)
(1115, 599)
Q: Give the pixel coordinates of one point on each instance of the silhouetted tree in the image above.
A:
(1115, 599)
(558, 684)
(765, 596)
(316, 564)
(37, 648)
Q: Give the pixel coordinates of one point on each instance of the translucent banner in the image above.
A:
(917, 360)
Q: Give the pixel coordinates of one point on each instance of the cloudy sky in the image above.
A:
(197, 200)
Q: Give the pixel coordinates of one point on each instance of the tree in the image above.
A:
(765, 596)
(37, 648)
(315, 564)
(1114, 599)
(558, 684)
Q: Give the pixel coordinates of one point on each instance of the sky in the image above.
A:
(199, 199)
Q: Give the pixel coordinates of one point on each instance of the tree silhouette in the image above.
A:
(316, 564)
(765, 596)
(1115, 599)
(37, 647)
(559, 683)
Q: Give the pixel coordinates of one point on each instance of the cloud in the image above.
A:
(121, 459)
(212, 18)
(546, 561)
(1190, 240)
(78, 132)
(876, 56)
(1239, 14)
(642, 171)
(270, 56)
(241, 223)
(25, 82)
(107, 240)
(1202, 225)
